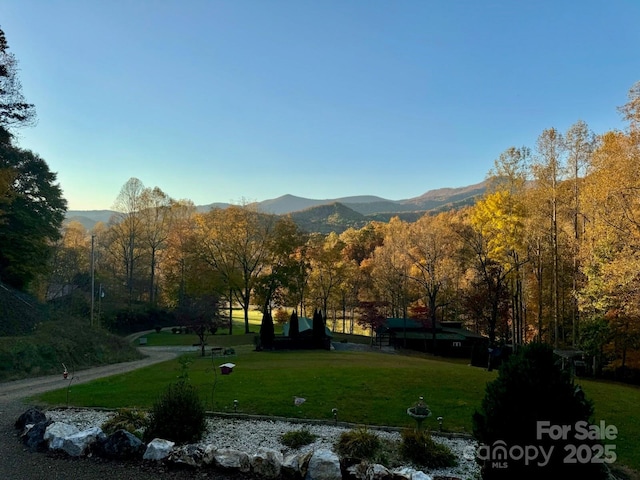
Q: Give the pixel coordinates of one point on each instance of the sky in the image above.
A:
(248, 100)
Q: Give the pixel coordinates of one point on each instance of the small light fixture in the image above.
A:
(235, 405)
(335, 414)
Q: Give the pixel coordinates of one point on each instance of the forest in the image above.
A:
(550, 253)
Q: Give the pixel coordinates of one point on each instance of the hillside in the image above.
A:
(336, 214)
(334, 217)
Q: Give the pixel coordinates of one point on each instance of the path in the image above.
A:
(17, 463)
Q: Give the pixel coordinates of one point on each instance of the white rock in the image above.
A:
(158, 449)
(232, 459)
(267, 463)
(55, 434)
(324, 465)
(78, 443)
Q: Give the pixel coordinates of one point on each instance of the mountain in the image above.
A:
(336, 214)
(334, 217)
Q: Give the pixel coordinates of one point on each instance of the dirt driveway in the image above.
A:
(17, 463)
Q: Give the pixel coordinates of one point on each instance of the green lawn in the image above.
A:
(366, 387)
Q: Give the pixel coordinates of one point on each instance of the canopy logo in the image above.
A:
(586, 448)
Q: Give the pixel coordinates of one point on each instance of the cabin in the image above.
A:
(451, 338)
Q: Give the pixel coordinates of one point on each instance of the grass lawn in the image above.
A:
(366, 387)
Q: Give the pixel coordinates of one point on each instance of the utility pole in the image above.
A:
(93, 277)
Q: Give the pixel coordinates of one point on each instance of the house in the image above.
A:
(451, 338)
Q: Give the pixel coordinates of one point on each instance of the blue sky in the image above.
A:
(243, 100)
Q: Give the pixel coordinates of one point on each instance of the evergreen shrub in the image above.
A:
(531, 387)
(177, 415)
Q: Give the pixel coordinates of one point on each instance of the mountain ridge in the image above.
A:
(351, 211)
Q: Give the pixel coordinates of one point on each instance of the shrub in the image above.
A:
(178, 414)
(297, 438)
(357, 445)
(418, 447)
(531, 387)
(127, 419)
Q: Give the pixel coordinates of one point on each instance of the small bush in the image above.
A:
(419, 448)
(178, 415)
(127, 419)
(358, 445)
(297, 438)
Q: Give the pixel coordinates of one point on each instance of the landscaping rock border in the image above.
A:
(231, 445)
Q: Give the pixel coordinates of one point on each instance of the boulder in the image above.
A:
(291, 467)
(31, 417)
(232, 459)
(121, 445)
(267, 463)
(378, 472)
(408, 473)
(56, 432)
(192, 455)
(324, 465)
(158, 449)
(78, 443)
(33, 436)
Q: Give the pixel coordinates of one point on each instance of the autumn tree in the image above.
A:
(125, 232)
(548, 171)
(155, 225)
(235, 242)
(610, 259)
(281, 263)
(327, 267)
(431, 248)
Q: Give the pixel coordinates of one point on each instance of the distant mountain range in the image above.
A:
(336, 214)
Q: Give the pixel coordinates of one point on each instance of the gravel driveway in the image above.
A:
(17, 463)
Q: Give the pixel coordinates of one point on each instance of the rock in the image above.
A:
(378, 472)
(291, 467)
(408, 473)
(31, 417)
(158, 449)
(78, 443)
(121, 445)
(33, 436)
(267, 463)
(324, 465)
(232, 459)
(192, 455)
(55, 434)
(418, 475)
(403, 473)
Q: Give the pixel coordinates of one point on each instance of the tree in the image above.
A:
(126, 230)
(327, 266)
(267, 333)
(234, 241)
(201, 314)
(155, 219)
(431, 249)
(32, 217)
(14, 110)
(281, 265)
(370, 316)
(531, 388)
(548, 172)
(294, 325)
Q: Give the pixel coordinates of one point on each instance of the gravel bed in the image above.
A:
(249, 435)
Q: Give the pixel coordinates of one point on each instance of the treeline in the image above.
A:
(550, 253)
